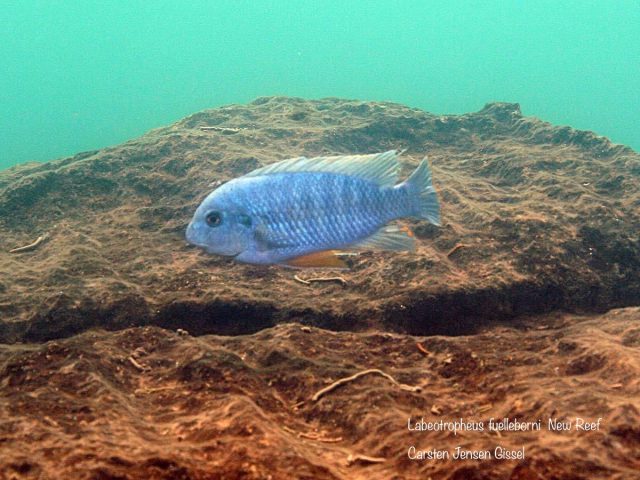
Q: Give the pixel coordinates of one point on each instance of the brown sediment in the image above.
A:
(217, 407)
(95, 384)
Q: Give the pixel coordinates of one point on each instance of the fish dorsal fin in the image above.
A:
(390, 237)
(323, 259)
(380, 168)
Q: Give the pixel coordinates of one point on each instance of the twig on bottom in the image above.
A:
(308, 281)
(342, 381)
(312, 436)
(32, 246)
(351, 459)
(137, 365)
(221, 129)
(423, 350)
(298, 405)
(456, 248)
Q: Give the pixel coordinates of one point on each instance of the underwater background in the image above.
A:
(83, 75)
(127, 353)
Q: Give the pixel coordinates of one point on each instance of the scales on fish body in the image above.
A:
(306, 212)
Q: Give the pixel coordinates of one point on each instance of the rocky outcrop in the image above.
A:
(536, 218)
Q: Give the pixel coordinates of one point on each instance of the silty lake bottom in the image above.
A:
(128, 354)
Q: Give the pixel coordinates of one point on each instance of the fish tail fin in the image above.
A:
(424, 201)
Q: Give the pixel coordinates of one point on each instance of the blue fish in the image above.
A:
(308, 212)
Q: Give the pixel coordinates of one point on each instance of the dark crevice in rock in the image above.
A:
(218, 317)
(450, 314)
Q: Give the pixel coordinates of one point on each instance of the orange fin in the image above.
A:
(324, 259)
(390, 237)
(407, 230)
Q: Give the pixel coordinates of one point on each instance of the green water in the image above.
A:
(81, 75)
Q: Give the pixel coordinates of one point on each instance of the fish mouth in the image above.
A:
(189, 234)
(208, 250)
(191, 237)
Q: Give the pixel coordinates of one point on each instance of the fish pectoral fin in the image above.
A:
(267, 241)
(323, 259)
(390, 237)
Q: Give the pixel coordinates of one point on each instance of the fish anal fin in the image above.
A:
(391, 237)
(407, 231)
(323, 259)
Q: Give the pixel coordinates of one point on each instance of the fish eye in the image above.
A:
(213, 219)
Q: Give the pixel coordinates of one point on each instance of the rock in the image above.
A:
(548, 217)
